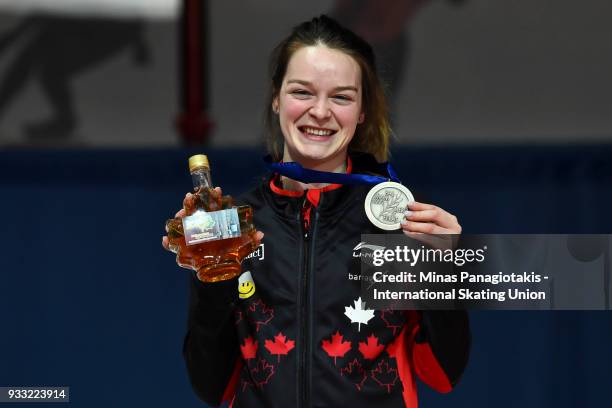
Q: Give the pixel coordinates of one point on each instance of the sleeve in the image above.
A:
(211, 344)
(441, 348)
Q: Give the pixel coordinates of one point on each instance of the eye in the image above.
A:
(343, 99)
(301, 93)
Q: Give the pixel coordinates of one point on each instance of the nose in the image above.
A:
(320, 110)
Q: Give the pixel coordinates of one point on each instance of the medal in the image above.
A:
(386, 203)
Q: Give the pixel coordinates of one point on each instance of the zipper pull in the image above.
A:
(306, 208)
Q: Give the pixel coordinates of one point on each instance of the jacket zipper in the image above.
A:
(305, 313)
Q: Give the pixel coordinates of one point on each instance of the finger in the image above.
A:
(216, 193)
(436, 215)
(417, 206)
(165, 243)
(187, 200)
(258, 237)
(180, 214)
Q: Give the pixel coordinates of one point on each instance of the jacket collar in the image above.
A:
(329, 199)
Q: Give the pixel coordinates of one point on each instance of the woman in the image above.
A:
(282, 334)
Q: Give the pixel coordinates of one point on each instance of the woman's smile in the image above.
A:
(316, 133)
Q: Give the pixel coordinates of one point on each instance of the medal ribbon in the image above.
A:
(296, 172)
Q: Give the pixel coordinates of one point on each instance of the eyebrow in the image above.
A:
(307, 83)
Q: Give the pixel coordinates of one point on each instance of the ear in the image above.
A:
(275, 105)
(361, 118)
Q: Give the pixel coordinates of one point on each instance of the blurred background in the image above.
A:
(502, 115)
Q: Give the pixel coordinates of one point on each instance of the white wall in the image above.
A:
(492, 71)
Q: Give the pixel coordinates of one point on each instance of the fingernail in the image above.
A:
(407, 213)
(404, 222)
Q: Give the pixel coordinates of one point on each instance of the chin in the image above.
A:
(315, 155)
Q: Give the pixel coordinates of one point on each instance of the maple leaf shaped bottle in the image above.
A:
(214, 236)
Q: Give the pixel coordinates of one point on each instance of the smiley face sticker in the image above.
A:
(246, 286)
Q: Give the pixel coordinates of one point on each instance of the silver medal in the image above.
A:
(386, 203)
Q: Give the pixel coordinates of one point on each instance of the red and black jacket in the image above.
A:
(292, 344)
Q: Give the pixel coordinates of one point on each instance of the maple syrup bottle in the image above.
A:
(214, 236)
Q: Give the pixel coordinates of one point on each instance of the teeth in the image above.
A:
(317, 132)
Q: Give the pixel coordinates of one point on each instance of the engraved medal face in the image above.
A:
(386, 203)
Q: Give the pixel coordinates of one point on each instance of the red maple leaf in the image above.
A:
(249, 349)
(260, 314)
(387, 315)
(355, 371)
(262, 372)
(337, 347)
(371, 349)
(280, 345)
(384, 375)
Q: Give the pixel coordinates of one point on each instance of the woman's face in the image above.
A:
(319, 106)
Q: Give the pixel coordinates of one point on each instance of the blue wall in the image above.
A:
(89, 299)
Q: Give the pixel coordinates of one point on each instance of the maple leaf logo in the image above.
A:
(249, 349)
(384, 375)
(245, 384)
(359, 314)
(337, 347)
(371, 349)
(388, 317)
(262, 372)
(355, 372)
(260, 314)
(280, 345)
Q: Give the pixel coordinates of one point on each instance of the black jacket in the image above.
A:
(292, 344)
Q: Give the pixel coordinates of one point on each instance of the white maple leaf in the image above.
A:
(359, 314)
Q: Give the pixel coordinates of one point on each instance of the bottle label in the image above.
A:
(203, 226)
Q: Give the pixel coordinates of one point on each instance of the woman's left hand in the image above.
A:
(428, 223)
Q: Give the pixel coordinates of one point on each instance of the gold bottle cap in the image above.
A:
(199, 160)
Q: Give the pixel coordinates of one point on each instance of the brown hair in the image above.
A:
(372, 136)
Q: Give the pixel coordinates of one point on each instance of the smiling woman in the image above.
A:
(345, 77)
(319, 107)
(303, 336)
